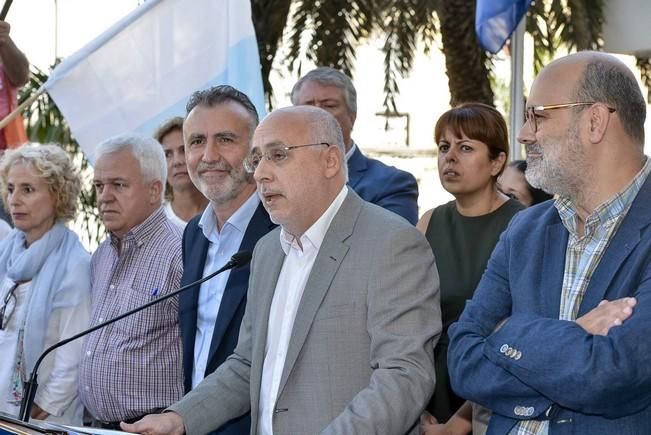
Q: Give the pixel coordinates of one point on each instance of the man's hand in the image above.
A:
(459, 424)
(606, 315)
(4, 31)
(167, 423)
(37, 412)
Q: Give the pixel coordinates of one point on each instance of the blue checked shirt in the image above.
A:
(582, 257)
(134, 366)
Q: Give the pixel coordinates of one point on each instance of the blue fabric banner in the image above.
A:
(495, 21)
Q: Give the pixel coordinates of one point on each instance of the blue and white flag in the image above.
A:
(495, 21)
(141, 71)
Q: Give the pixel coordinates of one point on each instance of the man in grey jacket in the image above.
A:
(343, 305)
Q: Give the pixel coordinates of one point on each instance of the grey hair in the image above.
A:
(221, 94)
(607, 80)
(327, 129)
(327, 76)
(146, 150)
(53, 165)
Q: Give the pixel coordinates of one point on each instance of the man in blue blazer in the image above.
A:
(217, 133)
(556, 337)
(375, 182)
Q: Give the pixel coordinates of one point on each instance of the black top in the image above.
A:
(461, 246)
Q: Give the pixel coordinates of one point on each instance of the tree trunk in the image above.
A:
(465, 60)
(269, 19)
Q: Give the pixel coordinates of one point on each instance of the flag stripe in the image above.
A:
(142, 70)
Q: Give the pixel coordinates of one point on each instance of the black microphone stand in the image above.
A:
(29, 390)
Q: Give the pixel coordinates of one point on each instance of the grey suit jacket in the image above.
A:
(360, 359)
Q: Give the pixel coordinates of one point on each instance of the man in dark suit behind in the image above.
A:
(217, 132)
(375, 182)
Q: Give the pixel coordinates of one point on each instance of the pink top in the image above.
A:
(8, 100)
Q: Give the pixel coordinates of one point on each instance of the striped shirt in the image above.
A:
(134, 366)
(582, 256)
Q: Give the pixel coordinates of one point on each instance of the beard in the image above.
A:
(220, 191)
(557, 164)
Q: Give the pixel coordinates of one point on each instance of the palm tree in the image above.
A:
(328, 32)
(46, 124)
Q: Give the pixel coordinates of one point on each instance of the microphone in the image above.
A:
(239, 259)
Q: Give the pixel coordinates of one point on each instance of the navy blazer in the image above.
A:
(231, 310)
(554, 370)
(386, 186)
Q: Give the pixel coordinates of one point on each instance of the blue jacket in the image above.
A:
(231, 310)
(386, 186)
(581, 383)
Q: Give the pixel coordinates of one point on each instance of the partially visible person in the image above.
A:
(218, 130)
(375, 182)
(473, 148)
(183, 200)
(514, 184)
(134, 366)
(14, 73)
(44, 282)
(342, 313)
(5, 229)
(556, 337)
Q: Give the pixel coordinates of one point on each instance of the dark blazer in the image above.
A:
(536, 366)
(386, 186)
(231, 310)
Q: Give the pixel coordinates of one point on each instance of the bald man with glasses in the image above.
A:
(343, 305)
(555, 338)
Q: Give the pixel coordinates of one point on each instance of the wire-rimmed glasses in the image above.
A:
(274, 155)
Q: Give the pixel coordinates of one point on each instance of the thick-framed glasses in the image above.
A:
(8, 306)
(533, 112)
(274, 155)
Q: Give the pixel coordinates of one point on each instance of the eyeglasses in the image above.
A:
(275, 155)
(533, 112)
(7, 308)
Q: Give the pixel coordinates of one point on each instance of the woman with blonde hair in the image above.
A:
(44, 282)
(183, 200)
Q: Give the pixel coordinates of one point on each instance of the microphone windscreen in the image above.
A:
(241, 258)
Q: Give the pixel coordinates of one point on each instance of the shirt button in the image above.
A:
(87, 388)
(111, 286)
(101, 319)
(88, 354)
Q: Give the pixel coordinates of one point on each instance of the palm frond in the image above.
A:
(46, 124)
(269, 19)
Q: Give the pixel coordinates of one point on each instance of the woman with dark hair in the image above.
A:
(472, 152)
(514, 184)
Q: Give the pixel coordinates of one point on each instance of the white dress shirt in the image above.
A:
(222, 245)
(299, 259)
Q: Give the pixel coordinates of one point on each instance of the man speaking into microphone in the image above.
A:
(343, 305)
(132, 367)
